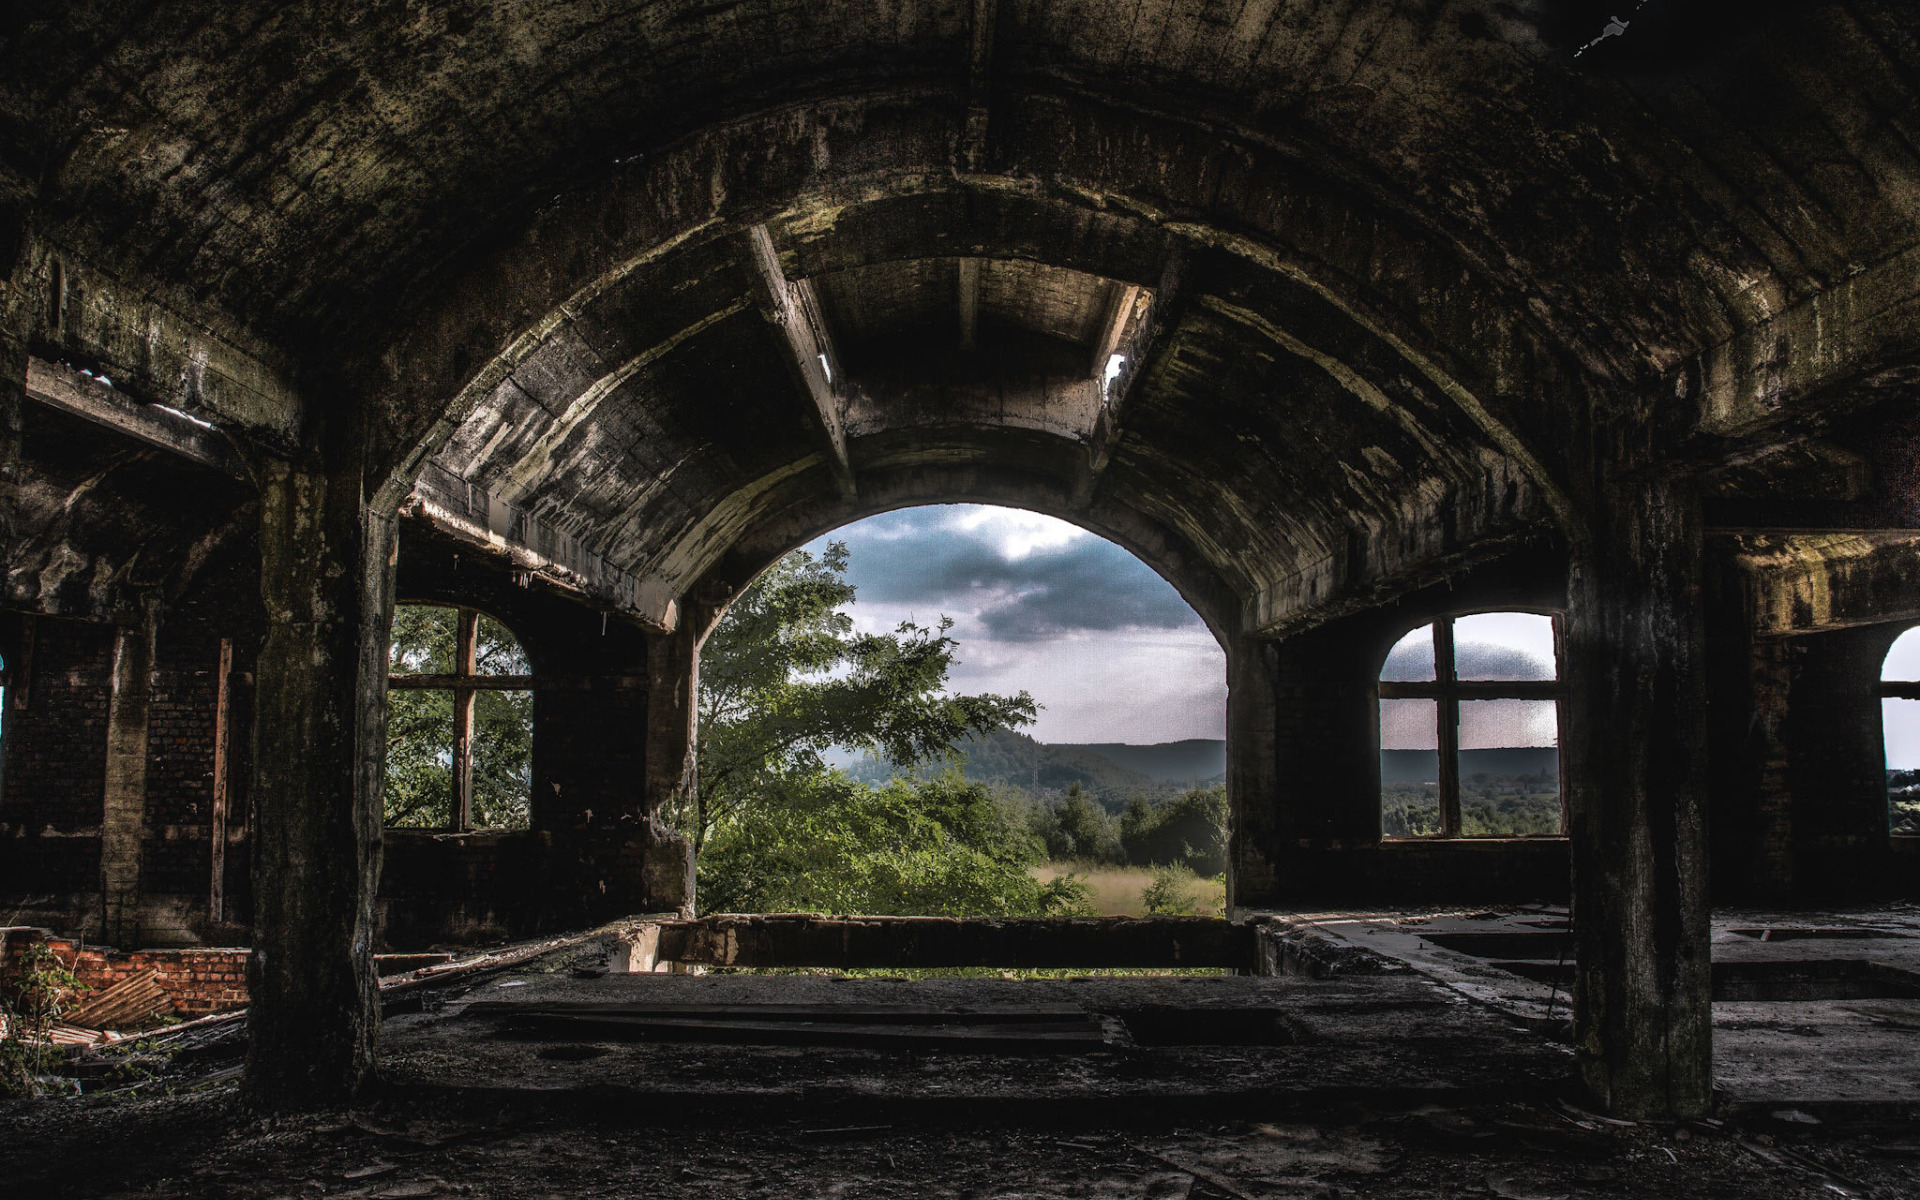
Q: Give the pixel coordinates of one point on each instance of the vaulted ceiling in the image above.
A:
(693, 281)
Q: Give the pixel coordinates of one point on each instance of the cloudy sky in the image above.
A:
(1105, 645)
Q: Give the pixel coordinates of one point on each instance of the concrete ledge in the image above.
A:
(802, 940)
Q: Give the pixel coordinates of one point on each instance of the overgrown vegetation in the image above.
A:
(1490, 806)
(785, 678)
(419, 790)
(41, 991)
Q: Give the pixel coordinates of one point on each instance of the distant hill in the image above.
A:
(1111, 771)
(1190, 761)
(1423, 766)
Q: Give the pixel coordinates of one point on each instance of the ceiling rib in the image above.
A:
(794, 310)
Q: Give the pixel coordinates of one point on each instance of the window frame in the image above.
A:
(1893, 689)
(465, 683)
(1447, 690)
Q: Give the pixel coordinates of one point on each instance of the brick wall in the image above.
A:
(175, 855)
(53, 736)
(199, 981)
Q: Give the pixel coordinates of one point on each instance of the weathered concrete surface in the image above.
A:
(915, 942)
(124, 794)
(1403, 1038)
(318, 749)
(1796, 583)
(1635, 762)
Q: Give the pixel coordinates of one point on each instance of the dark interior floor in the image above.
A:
(550, 1078)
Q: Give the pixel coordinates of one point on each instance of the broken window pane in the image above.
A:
(1509, 768)
(1409, 768)
(1504, 646)
(1411, 659)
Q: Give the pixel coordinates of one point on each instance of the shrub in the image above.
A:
(29, 1007)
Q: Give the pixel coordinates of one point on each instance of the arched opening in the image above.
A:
(459, 753)
(1900, 729)
(1470, 728)
(961, 709)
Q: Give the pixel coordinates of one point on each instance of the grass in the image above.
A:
(1118, 891)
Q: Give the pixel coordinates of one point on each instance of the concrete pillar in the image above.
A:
(1636, 770)
(318, 756)
(123, 807)
(673, 691)
(1253, 788)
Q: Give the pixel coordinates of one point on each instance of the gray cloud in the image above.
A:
(1474, 660)
(918, 558)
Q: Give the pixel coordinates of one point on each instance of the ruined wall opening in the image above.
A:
(459, 722)
(1900, 729)
(1470, 711)
(1083, 697)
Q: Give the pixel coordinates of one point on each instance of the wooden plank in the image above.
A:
(67, 390)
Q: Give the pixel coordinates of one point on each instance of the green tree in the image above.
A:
(419, 787)
(1189, 831)
(1077, 829)
(784, 678)
(913, 846)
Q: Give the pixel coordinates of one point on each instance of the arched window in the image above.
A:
(459, 722)
(1900, 725)
(1470, 729)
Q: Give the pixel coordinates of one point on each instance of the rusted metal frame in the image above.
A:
(222, 716)
(463, 694)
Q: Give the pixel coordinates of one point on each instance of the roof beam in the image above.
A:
(969, 302)
(1151, 337)
(793, 308)
(973, 139)
(169, 429)
(1121, 299)
(1785, 366)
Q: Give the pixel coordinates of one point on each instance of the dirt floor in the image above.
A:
(1386, 1085)
(204, 1146)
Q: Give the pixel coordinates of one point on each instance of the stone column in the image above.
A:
(1253, 789)
(123, 801)
(1636, 771)
(318, 755)
(673, 690)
